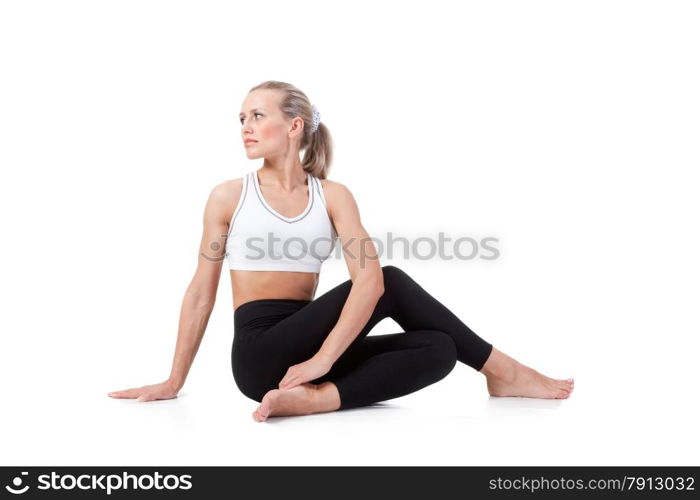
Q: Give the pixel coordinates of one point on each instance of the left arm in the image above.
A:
(364, 268)
(367, 286)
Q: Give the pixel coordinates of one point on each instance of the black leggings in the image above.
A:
(270, 335)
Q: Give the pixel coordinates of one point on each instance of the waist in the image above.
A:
(263, 313)
(253, 285)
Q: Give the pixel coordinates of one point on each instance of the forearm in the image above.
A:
(194, 316)
(358, 309)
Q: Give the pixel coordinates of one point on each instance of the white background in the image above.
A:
(567, 130)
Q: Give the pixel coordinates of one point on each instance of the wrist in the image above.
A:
(325, 358)
(175, 384)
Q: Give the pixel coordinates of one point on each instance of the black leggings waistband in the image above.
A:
(263, 312)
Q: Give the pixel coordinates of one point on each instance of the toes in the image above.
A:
(266, 405)
(561, 388)
(567, 385)
(262, 412)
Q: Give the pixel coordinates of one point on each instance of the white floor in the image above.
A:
(611, 419)
(631, 353)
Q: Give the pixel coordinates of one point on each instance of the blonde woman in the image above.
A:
(296, 354)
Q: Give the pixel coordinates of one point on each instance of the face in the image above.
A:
(262, 121)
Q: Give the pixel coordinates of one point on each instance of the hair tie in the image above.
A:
(316, 119)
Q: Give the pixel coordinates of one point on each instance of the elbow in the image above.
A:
(374, 282)
(380, 283)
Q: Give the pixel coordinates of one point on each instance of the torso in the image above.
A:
(256, 285)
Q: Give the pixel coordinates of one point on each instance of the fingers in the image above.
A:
(129, 393)
(289, 382)
(286, 382)
(288, 377)
(137, 393)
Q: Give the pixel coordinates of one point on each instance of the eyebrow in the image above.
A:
(254, 109)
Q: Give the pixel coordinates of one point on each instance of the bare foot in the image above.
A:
(299, 400)
(508, 377)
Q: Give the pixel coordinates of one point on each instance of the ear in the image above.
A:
(297, 127)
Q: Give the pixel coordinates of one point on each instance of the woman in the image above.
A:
(298, 355)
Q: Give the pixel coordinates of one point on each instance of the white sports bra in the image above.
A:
(261, 239)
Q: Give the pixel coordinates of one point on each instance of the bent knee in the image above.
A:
(251, 392)
(251, 387)
(389, 268)
(393, 273)
(444, 349)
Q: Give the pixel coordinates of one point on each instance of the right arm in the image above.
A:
(200, 295)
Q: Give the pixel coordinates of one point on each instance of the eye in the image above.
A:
(254, 114)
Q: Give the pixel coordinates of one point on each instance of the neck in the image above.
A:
(285, 178)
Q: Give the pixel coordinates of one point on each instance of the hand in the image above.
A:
(310, 369)
(164, 390)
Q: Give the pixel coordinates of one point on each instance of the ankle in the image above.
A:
(326, 397)
(499, 366)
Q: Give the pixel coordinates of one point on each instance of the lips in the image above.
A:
(249, 141)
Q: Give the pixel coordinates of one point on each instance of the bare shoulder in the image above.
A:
(336, 193)
(340, 199)
(230, 190)
(225, 196)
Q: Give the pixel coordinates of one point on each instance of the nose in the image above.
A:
(245, 125)
(247, 131)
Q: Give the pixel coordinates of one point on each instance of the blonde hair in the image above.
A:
(317, 146)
